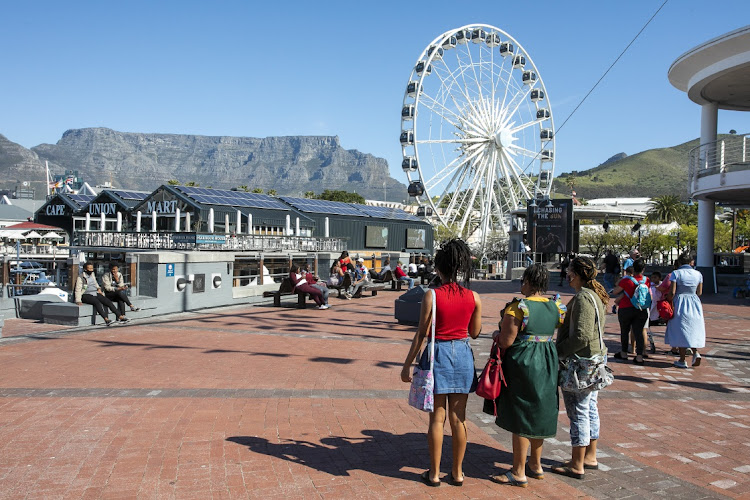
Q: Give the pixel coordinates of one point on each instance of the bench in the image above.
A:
(373, 287)
(70, 314)
(286, 288)
(342, 287)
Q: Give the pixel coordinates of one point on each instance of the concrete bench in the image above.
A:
(70, 314)
(374, 288)
(30, 307)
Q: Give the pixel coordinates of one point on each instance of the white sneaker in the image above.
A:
(680, 364)
(347, 296)
(696, 358)
(324, 306)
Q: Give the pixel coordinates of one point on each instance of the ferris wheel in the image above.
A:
(477, 134)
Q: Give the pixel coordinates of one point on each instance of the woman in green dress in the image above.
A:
(528, 406)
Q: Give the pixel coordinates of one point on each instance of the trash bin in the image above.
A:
(409, 304)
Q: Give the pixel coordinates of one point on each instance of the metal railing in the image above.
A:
(166, 240)
(717, 157)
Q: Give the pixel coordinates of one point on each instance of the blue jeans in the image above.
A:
(408, 280)
(609, 281)
(583, 412)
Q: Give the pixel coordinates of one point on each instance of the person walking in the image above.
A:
(687, 328)
(458, 312)
(580, 335)
(528, 406)
(88, 291)
(611, 270)
(564, 266)
(631, 319)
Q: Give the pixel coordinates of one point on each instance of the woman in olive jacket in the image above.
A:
(580, 335)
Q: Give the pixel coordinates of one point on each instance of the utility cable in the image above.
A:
(611, 66)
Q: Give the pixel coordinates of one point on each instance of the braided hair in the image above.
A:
(453, 257)
(586, 269)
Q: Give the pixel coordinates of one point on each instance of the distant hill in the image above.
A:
(290, 165)
(654, 172)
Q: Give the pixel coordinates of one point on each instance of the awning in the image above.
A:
(53, 236)
(33, 234)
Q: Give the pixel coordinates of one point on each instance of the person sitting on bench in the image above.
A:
(88, 291)
(401, 276)
(361, 278)
(302, 286)
(115, 289)
(315, 282)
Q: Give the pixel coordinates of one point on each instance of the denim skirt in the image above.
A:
(453, 367)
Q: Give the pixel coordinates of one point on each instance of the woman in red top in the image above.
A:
(458, 314)
(630, 318)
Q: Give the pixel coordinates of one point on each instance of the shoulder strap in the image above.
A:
(432, 332)
(588, 295)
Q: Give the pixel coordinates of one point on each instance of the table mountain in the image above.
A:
(290, 165)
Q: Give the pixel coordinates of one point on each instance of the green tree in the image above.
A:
(192, 184)
(271, 192)
(593, 241)
(666, 208)
(688, 215)
(722, 236)
(257, 191)
(243, 187)
(621, 239)
(655, 243)
(688, 239)
(343, 196)
(173, 182)
(309, 195)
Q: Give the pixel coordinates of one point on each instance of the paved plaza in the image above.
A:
(266, 402)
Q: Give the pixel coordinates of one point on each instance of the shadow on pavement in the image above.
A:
(380, 453)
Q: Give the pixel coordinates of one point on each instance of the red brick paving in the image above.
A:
(338, 426)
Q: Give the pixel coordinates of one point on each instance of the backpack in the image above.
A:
(641, 298)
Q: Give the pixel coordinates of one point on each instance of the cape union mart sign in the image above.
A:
(102, 208)
(55, 210)
(161, 207)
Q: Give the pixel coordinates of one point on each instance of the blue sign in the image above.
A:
(170, 270)
(210, 239)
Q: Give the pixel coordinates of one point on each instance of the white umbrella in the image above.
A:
(13, 234)
(33, 234)
(53, 236)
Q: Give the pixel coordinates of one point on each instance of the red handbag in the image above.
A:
(665, 310)
(492, 379)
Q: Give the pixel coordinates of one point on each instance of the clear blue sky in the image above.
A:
(262, 69)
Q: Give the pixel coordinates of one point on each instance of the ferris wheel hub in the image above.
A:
(503, 139)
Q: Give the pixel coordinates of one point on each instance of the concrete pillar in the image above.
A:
(296, 226)
(250, 224)
(239, 223)
(288, 230)
(177, 220)
(153, 221)
(138, 221)
(88, 222)
(187, 222)
(119, 221)
(102, 222)
(706, 208)
(226, 224)
(327, 228)
(210, 220)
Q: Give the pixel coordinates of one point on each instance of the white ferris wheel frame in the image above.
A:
(499, 165)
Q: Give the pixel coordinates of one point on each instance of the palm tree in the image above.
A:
(192, 184)
(309, 194)
(243, 187)
(665, 208)
(173, 182)
(257, 190)
(271, 192)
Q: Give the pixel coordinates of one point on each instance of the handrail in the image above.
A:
(173, 240)
(719, 154)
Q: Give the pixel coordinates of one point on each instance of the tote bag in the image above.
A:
(421, 394)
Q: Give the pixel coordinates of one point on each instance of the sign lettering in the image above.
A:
(55, 210)
(162, 207)
(103, 208)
